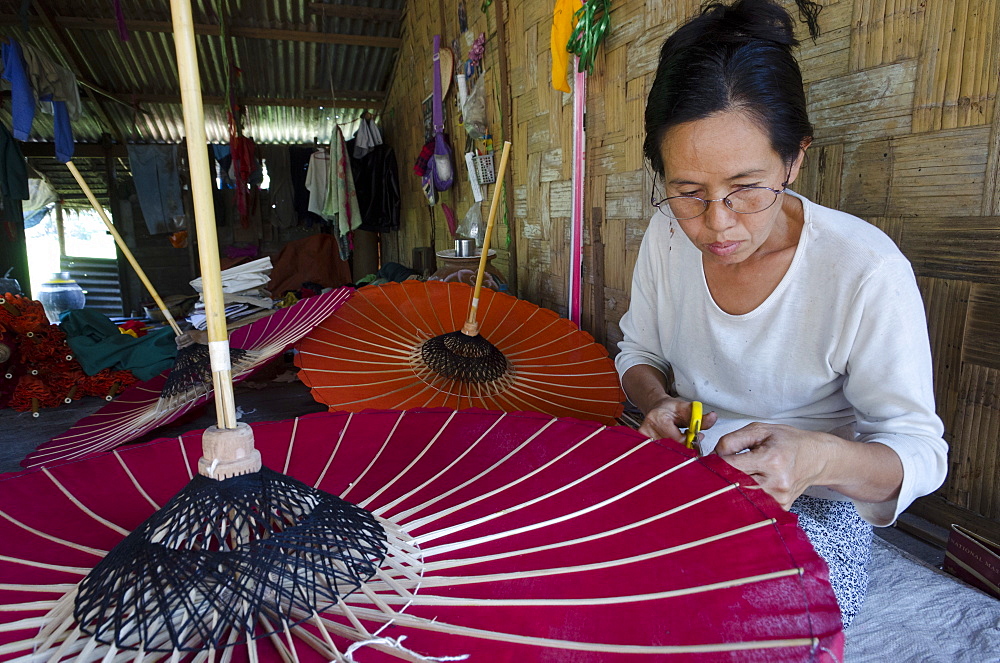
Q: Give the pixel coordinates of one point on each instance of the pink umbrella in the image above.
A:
(137, 411)
(506, 537)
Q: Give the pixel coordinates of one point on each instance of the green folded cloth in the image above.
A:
(98, 344)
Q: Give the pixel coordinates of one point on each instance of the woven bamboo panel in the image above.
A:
(958, 59)
(885, 32)
(947, 304)
(902, 94)
(957, 248)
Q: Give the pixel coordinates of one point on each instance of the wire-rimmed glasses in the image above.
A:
(745, 200)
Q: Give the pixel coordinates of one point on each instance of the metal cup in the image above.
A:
(465, 248)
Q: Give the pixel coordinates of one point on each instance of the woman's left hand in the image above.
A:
(783, 460)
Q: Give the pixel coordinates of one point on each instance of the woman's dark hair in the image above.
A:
(736, 56)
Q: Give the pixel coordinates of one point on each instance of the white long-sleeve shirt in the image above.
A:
(840, 346)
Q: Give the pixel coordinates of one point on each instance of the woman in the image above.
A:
(800, 327)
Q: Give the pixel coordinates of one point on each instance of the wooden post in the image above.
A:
(110, 176)
(597, 322)
(507, 123)
(60, 231)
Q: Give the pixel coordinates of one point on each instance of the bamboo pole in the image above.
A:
(204, 211)
(121, 245)
(471, 327)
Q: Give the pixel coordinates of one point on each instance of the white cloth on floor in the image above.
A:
(916, 613)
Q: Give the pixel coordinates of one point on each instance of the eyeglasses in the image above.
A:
(747, 200)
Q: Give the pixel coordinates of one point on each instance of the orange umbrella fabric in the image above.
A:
(369, 355)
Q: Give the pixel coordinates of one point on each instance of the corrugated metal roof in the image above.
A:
(287, 78)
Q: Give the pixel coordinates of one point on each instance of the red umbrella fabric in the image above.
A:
(136, 412)
(511, 537)
(370, 355)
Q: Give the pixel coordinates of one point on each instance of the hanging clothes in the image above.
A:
(56, 87)
(22, 96)
(279, 170)
(14, 177)
(243, 166)
(376, 182)
(317, 179)
(341, 205)
(366, 138)
(157, 184)
(51, 81)
(13, 190)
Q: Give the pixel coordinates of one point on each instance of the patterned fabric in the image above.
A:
(844, 540)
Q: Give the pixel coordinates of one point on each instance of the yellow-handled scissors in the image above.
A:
(695, 426)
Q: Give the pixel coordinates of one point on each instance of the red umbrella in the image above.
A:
(136, 412)
(511, 537)
(372, 355)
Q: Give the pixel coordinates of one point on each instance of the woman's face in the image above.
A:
(714, 157)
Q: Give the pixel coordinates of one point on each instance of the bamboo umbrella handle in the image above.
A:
(121, 245)
(204, 211)
(471, 327)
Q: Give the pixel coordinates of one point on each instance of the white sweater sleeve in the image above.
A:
(641, 326)
(889, 383)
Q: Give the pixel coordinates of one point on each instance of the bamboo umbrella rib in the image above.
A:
(291, 445)
(426, 599)
(431, 625)
(375, 457)
(523, 340)
(28, 606)
(421, 522)
(446, 494)
(135, 482)
(452, 563)
(336, 448)
(514, 401)
(72, 498)
(401, 317)
(527, 528)
(454, 581)
(187, 465)
(392, 332)
(423, 452)
(51, 589)
(52, 538)
(391, 505)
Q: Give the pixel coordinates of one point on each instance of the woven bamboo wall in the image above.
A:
(903, 98)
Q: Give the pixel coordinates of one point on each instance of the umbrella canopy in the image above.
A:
(510, 537)
(372, 355)
(137, 411)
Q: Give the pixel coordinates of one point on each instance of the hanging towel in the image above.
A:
(157, 184)
(562, 30)
(341, 198)
(22, 95)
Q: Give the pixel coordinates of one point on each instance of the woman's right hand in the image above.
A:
(668, 415)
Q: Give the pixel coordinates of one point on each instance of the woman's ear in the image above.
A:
(793, 172)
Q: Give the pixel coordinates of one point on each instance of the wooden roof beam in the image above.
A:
(211, 100)
(363, 13)
(277, 34)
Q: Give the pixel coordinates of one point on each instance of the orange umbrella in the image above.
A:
(372, 355)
